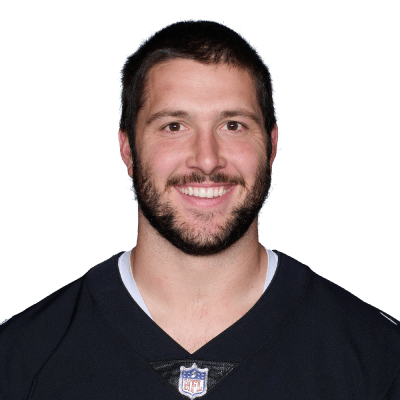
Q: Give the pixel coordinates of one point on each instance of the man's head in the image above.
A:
(213, 94)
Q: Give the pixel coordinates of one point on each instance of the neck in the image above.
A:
(166, 274)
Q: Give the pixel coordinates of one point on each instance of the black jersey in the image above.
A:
(305, 339)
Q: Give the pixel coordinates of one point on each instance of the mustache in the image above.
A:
(197, 177)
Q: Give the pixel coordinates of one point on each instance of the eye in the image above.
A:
(233, 126)
(174, 127)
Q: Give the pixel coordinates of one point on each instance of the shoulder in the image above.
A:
(332, 301)
(348, 331)
(347, 308)
(369, 335)
(28, 339)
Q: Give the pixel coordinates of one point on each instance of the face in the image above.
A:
(201, 174)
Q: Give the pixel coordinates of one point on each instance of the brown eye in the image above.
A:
(232, 126)
(174, 126)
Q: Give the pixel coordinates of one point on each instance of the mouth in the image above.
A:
(204, 192)
(205, 196)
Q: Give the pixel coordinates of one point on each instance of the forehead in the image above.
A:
(199, 88)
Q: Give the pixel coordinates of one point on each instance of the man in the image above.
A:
(199, 308)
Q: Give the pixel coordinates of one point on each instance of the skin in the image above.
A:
(205, 119)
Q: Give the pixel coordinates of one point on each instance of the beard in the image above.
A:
(197, 239)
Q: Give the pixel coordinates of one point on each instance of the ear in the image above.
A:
(125, 150)
(274, 140)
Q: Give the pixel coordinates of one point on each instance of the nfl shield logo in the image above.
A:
(193, 381)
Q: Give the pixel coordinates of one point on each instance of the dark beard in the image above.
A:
(163, 217)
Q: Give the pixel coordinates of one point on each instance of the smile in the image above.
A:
(204, 192)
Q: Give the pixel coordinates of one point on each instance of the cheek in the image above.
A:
(164, 158)
(247, 157)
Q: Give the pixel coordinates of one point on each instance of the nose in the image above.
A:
(206, 153)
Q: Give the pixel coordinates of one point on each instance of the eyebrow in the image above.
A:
(222, 115)
(241, 113)
(163, 114)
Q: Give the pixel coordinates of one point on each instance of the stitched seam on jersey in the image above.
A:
(33, 387)
(118, 332)
(396, 375)
(35, 378)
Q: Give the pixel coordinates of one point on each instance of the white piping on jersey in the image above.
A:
(125, 270)
(390, 319)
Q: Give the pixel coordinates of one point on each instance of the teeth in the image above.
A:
(204, 192)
